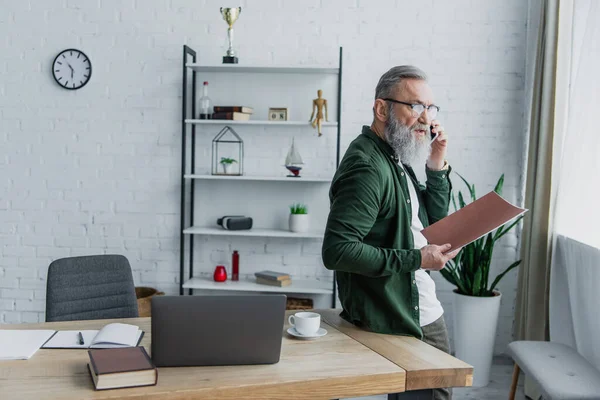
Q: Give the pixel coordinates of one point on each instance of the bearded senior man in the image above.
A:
(378, 208)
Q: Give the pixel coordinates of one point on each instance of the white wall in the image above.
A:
(97, 170)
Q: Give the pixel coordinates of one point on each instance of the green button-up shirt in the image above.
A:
(368, 240)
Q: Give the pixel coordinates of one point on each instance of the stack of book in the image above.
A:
(233, 113)
(273, 278)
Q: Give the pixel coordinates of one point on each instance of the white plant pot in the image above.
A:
(299, 223)
(227, 168)
(475, 323)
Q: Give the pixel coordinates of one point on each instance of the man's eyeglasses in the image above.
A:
(418, 109)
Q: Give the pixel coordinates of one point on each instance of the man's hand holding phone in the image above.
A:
(439, 141)
(433, 134)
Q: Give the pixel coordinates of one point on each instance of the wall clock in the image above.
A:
(72, 69)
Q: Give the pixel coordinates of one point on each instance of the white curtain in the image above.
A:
(575, 271)
(578, 201)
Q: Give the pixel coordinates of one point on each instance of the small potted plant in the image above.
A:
(227, 164)
(298, 218)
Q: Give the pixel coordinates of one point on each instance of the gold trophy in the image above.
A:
(230, 15)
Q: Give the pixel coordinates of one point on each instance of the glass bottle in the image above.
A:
(206, 108)
(235, 266)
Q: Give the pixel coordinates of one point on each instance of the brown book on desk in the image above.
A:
(232, 116)
(121, 368)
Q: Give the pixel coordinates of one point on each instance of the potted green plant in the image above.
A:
(227, 164)
(476, 302)
(298, 220)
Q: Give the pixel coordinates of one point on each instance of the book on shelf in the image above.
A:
(272, 282)
(232, 116)
(110, 336)
(121, 368)
(225, 109)
(272, 275)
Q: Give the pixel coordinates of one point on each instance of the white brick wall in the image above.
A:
(97, 170)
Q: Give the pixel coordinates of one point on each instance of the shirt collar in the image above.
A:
(382, 144)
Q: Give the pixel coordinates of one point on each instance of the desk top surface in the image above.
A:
(333, 366)
(426, 367)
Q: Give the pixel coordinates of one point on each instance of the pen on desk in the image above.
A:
(80, 338)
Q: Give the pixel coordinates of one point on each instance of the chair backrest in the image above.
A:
(90, 287)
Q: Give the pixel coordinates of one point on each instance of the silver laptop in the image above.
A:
(217, 330)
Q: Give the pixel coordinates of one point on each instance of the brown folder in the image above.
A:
(471, 222)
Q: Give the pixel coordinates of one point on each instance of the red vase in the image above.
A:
(220, 274)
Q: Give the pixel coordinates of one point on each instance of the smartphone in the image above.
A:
(432, 135)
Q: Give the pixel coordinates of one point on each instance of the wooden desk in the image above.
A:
(426, 367)
(334, 366)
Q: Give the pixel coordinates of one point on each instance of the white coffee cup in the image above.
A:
(305, 323)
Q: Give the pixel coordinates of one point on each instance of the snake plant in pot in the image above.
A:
(476, 301)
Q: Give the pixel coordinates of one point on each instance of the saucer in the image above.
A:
(321, 332)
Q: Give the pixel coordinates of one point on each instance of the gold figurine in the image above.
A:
(318, 105)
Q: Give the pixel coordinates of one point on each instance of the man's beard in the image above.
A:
(408, 146)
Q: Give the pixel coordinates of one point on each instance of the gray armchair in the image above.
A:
(90, 287)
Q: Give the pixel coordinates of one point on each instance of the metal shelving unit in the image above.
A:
(189, 177)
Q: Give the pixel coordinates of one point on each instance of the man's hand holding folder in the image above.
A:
(434, 257)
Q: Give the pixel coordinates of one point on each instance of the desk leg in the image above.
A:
(426, 394)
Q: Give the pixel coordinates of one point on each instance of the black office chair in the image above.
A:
(90, 287)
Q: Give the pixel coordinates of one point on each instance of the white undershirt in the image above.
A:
(430, 309)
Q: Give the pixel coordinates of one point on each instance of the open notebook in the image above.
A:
(110, 336)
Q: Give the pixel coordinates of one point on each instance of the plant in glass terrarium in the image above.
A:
(227, 152)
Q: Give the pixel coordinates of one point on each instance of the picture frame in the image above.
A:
(278, 114)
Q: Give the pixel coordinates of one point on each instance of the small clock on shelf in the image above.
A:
(72, 69)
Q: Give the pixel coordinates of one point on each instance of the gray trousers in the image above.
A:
(436, 335)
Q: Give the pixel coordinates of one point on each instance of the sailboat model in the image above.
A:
(293, 161)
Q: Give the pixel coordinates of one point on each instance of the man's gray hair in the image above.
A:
(389, 80)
